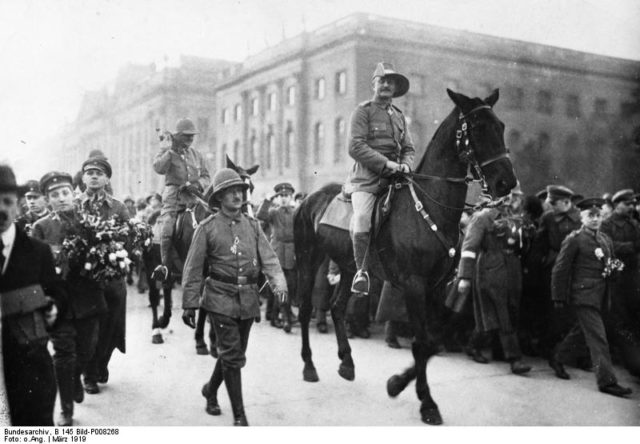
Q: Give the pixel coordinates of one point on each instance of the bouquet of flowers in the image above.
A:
(611, 264)
(100, 249)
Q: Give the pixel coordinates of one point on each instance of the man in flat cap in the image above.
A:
(580, 279)
(277, 214)
(624, 318)
(230, 250)
(36, 206)
(556, 223)
(180, 164)
(380, 143)
(96, 173)
(27, 280)
(75, 335)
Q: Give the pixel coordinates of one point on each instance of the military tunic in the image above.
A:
(378, 133)
(29, 218)
(577, 280)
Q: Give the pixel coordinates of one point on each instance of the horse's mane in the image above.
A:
(446, 127)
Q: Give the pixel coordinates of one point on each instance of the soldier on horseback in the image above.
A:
(381, 145)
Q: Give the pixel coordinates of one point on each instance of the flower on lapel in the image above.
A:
(599, 253)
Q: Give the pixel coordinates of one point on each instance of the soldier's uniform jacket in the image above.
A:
(554, 227)
(85, 297)
(233, 248)
(490, 259)
(377, 134)
(577, 274)
(280, 222)
(179, 169)
(103, 205)
(29, 218)
(624, 231)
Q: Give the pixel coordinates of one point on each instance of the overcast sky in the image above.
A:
(53, 50)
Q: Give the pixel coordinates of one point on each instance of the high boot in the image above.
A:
(210, 390)
(66, 387)
(361, 279)
(233, 382)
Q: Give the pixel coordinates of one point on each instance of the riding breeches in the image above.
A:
(363, 204)
(168, 226)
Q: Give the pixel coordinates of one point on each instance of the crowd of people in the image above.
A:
(552, 275)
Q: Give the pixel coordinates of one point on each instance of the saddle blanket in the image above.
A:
(338, 213)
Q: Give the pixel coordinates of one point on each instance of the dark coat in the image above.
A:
(577, 274)
(490, 259)
(553, 229)
(280, 223)
(85, 297)
(31, 263)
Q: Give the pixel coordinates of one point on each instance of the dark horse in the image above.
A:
(416, 245)
(181, 240)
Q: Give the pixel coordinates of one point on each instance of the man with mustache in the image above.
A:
(96, 175)
(75, 335)
(27, 277)
(231, 250)
(381, 145)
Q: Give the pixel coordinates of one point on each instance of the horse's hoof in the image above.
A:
(309, 374)
(347, 373)
(202, 349)
(431, 416)
(163, 322)
(395, 386)
(157, 339)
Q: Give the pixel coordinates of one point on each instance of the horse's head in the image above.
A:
(480, 143)
(245, 174)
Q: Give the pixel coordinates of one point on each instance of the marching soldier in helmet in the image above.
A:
(235, 250)
(580, 279)
(36, 206)
(180, 164)
(96, 175)
(277, 213)
(380, 143)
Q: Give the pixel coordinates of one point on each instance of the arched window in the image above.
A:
(318, 143)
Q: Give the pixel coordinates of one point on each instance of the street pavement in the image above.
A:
(159, 385)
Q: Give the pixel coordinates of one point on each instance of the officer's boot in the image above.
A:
(78, 389)
(360, 283)
(233, 382)
(66, 388)
(201, 345)
(210, 390)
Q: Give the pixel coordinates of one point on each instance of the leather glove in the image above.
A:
(160, 273)
(333, 279)
(464, 287)
(283, 296)
(50, 315)
(404, 168)
(189, 317)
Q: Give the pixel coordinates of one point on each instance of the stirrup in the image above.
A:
(360, 283)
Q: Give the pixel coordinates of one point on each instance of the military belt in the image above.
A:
(235, 280)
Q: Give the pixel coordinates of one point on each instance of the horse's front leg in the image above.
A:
(304, 292)
(163, 321)
(338, 313)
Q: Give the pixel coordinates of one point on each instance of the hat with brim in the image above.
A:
(384, 69)
(97, 163)
(32, 188)
(623, 196)
(185, 126)
(54, 180)
(8, 182)
(284, 188)
(592, 203)
(559, 192)
(224, 179)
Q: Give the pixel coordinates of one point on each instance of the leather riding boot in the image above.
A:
(233, 382)
(78, 395)
(210, 390)
(66, 387)
(361, 279)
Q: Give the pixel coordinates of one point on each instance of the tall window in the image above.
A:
(254, 106)
(291, 96)
(237, 112)
(236, 152)
(225, 116)
(253, 148)
(341, 83)
(544, 144)
(203, 128)
(271, 143)
(515, 98)
(573, 106)
(513, 141)
(545, 102)
(318, 143)
(338, 146)
(272, 101)
(319, 93)
(223, 150)
(288, 145)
